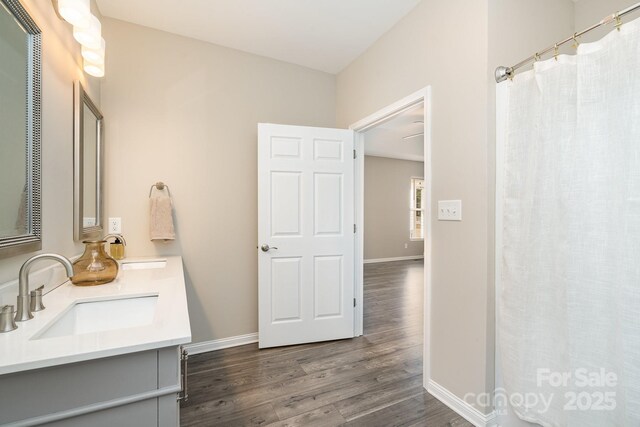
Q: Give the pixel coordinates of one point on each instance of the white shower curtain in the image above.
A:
(569, 251)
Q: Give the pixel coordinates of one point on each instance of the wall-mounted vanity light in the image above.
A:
(89, 35)
(75, 12)
(87, 30)
(95, 56)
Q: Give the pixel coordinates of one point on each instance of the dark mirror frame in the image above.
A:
(32, 240)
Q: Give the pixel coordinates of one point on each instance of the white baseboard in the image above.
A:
(461, 407)
(205, 346)
(398, 258)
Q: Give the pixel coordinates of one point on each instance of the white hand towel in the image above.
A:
(161, 218)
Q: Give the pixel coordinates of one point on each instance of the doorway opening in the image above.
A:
(311, 272)
(393, 211)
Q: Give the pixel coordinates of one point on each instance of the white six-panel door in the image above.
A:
(305, 234)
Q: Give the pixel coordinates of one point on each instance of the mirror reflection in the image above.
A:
(87, 207)
(13, 124)
(90, 168)
(20, 83)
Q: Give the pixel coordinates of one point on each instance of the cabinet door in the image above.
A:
(168, 375)
(75, 385)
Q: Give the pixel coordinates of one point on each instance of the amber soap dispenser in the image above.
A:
(116, 248)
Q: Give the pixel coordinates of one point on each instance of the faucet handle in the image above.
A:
(35, 302)
(7, 323)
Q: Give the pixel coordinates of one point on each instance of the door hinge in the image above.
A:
(355, 155)
(354, 229)
(354, 302)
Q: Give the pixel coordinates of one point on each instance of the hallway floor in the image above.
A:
(373, 380)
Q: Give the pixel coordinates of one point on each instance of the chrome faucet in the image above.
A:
(23, 311)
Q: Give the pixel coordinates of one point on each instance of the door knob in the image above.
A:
(267, 248)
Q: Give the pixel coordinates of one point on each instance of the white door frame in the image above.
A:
(361, 126)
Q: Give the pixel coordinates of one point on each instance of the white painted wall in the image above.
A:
(589, 12)
(458, 61)
(443, 44)
(387, 203)
(186, 112)
(61, 65)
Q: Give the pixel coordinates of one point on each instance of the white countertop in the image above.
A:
(170, 325)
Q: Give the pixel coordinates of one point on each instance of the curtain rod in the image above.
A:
(504, 73)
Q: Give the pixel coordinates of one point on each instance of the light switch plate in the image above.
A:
(449, 210)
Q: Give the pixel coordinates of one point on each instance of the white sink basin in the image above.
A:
(103, 315)
(143, 265)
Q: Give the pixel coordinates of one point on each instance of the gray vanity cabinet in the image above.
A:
(136, 389)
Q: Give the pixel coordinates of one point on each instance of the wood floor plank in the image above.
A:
(422, 410)
(291, 405)
(237, 380)
(373, 380)
(380, 397)
(382, 350)
(256, 416)
(243, 355)
(327, 416)
(228, 402)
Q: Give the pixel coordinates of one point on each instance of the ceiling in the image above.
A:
(325, 35)
(387, 139)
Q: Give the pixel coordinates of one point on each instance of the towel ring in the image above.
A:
(160, 186)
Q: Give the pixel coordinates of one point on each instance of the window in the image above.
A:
(416, 231)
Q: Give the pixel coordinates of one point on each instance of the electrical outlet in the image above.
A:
(406, 246)
(449, 210)
(115, 225)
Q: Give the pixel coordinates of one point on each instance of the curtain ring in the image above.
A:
(618, 21)
(576, 43)
(536, 57)
(555, 52)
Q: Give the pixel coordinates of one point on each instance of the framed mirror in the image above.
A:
(20, 112)
(88, 140)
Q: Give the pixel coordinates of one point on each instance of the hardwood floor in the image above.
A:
(373, 380)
